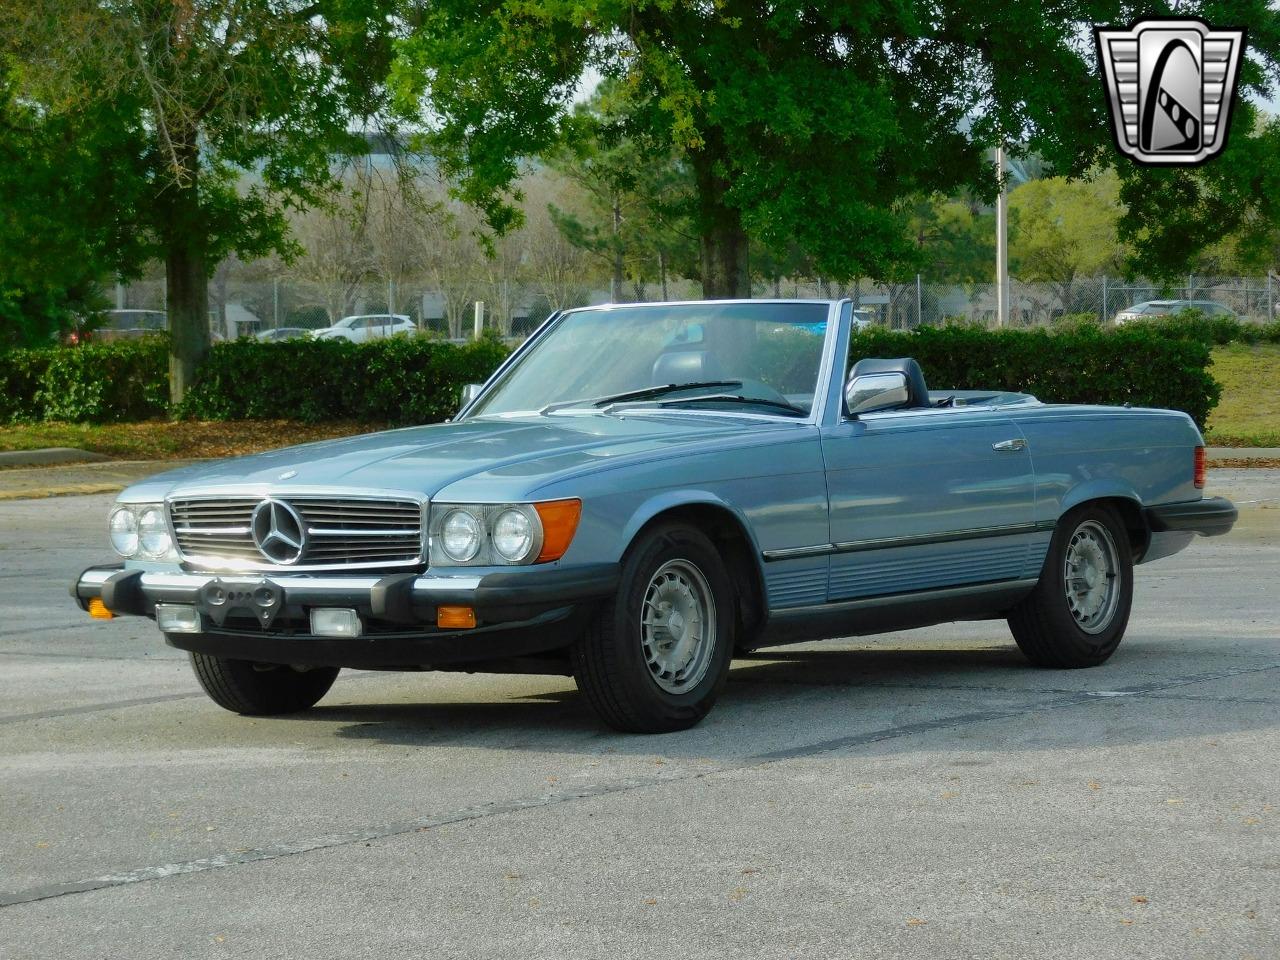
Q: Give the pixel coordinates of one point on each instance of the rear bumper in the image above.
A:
(266, 617)
(1210, 517)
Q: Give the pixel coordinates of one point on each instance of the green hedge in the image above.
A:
(1135, 364)
(95, 383)
(402, 380)
(1215, 329)
(1195, 324)
(418, 380)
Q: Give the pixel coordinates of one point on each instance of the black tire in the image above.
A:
(1055, 631)
(610, 663)
(261, 690)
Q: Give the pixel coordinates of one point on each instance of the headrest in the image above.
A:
(686, 366)
(917, 391)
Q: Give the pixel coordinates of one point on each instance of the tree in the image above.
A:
(335, 254)
(70, 213)
(1062, 230)
(810, 123)
(558, 270)
(637, 195)
(214, 88)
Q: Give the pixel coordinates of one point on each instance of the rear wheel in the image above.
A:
(655, 658)
(261, 689)
(1077, 614)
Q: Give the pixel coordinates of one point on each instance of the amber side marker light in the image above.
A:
(455, 617)
(1200, 468)
(559, 524)
(98, 610)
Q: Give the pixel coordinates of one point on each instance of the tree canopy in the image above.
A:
(234, 110)
(815, 124)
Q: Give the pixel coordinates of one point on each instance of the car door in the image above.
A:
(927, 499)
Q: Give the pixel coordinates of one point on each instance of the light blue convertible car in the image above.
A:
(641, 491)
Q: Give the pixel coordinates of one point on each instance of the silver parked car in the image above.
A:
(1150, 309)
(642, 491)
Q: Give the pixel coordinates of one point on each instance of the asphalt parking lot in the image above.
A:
(921, 794)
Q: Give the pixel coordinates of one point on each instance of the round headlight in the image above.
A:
(512, 535)
(460, 536)
(153, 532)
(124, 531)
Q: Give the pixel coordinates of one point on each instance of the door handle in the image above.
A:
(1009, 446)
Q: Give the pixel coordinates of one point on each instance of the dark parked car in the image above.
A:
(130, 325)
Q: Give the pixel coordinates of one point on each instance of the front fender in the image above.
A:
(673, 499)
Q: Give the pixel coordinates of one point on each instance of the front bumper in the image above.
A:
(1210, 517)
(265, 617)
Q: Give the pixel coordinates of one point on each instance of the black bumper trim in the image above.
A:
(551, 631)
(397, 599)
(1210, 517)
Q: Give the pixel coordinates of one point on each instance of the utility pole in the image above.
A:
(1002, 244)
(479, 318)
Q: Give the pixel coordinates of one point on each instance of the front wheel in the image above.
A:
(1077, 614)
(655, 658)
(261, 689)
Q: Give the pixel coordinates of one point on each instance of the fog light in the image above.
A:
(98, 610)
(455, 617)
(335, 622)
(177, 618)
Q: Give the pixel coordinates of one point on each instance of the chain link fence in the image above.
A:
(248, 305)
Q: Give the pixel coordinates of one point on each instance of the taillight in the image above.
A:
(1199, 468)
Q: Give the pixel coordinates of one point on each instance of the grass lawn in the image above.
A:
(166, 440)
(1248, 415)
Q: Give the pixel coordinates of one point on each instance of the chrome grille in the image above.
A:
(340, 532)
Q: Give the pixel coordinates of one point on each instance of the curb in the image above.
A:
(72, 490)
(48, 457)
(66, 480)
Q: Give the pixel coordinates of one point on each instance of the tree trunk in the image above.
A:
(724, 242)
(615, 292)
(187, 274)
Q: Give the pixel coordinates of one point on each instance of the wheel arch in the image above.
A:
(1121, 498)
(729, 530)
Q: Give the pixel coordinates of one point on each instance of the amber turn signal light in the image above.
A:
(559, 524)
(455, 617)
(1200, 468)
(98, 610)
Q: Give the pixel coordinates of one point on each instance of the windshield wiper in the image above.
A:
(735, 398)
(642, 394)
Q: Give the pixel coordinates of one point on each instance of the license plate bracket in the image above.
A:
(257, 597)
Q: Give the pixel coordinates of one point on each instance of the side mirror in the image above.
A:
(876, 391)
(470, 392)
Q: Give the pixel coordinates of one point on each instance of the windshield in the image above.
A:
(756, 357)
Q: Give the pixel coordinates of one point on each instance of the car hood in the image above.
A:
(525, 452)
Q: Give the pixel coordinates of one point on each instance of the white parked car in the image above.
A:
(366, 327)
